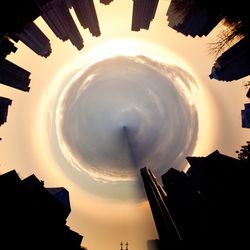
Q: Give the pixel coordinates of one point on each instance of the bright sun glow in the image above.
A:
(129, 47)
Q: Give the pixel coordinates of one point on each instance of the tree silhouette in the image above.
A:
(244, 152)
(230, 33)
(235, 20)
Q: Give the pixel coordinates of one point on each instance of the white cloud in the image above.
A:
(147, 97)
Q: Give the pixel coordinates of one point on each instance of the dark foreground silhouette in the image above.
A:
(205, 208)
(34, 217)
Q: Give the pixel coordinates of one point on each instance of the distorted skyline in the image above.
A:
(98, 211)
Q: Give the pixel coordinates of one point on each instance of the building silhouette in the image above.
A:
(34, 217)
(14, 76)
(35, 39)
(4, 107)
(57, 16)
(199, 18)
(11, 74)
(168, 233)
(234, 63)
(207, 205)
(106, 2)
(19, 14)
(143, 14)
(86, 14)
(6, 46)
(245, 116)
(20, 26)
(192, 18)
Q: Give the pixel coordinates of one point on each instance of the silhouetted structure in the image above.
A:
(234, 63)
(106, 2)
(35, 39)
(245, 116)
(208, 204)
(168, 233)
(33, 217)
(19, 26)
(4, 106)
(57, 15)
(11, 74)
(19, 14)
(86, 14)
(143, 13)
(14, 76)
(62, 195)
(192, 17)
(6, 46)
(201, 17)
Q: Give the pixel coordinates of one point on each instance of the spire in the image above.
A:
(126, 245)
(121, 245)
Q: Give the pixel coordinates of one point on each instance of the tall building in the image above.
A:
(4, 106)
(168, 233)
(86, 14)
(199, 18)
(143, 13)
(19, 14)
(245, 116)
(188, 209)
(33, 217)
(6, 46)
(57, 15)
(192, 17)
(234, 63)
(62, 195)
(208, 204)
(35, 39)
(14, 76)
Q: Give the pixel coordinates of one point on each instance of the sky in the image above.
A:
(37, 138)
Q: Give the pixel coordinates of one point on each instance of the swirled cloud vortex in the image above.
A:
(126, 112)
